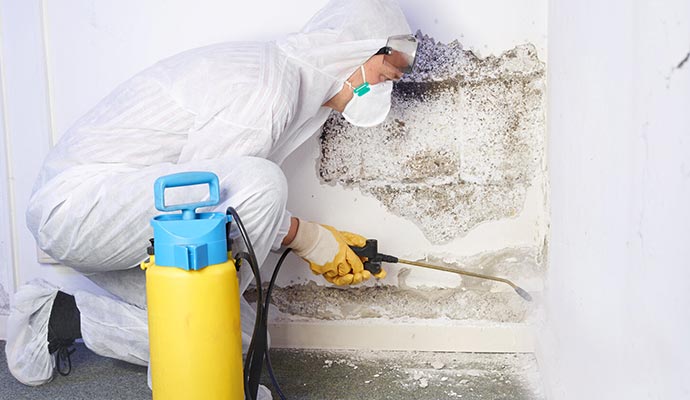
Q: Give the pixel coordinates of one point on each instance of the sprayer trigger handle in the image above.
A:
(373, 266)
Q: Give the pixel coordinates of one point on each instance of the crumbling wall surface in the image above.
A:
(461, 145)
(473, 299)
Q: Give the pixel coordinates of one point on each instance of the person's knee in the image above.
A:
(262, 181)
(274, 184)
(46, 222)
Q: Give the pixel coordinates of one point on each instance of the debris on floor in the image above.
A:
(406, 375)
(319, 374)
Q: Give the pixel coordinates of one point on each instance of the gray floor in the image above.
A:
(311, 374)
(92, 378)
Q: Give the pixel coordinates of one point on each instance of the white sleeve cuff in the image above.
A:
(282, 231)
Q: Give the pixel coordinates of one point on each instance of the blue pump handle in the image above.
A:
(186, 179)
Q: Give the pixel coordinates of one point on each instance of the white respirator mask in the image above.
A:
(370, 104)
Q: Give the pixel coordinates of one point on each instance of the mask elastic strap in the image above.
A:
(362, 89)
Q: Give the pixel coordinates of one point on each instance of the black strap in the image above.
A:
(63, 359)
(384, 50)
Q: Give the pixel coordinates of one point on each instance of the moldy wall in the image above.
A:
(454, 176)
(461, 146)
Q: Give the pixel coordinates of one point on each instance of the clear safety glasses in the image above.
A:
(401, 52)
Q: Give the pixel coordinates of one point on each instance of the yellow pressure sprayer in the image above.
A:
(193, 299)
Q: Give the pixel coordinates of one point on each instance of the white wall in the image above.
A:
(25, 131)
(60, 58)
(618, 298)
(7, 250)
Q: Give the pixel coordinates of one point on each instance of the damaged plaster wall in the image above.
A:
(454, 176)
(473, 299)
(461, 145)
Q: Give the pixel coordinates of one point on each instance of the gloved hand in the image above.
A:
(328, 253)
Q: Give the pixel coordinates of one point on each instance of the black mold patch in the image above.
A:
(407, 90)
(461, 145)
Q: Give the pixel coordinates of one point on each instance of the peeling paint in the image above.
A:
(474, 299)
(461, 145)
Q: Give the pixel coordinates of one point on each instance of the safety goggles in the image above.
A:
(401, 52)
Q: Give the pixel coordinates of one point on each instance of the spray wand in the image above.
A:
(374, 260)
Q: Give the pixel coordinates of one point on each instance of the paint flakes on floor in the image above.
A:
(407, 375)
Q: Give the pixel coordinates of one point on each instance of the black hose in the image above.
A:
(254, 360)
(267, 304)
(258, 346)
(242, 256)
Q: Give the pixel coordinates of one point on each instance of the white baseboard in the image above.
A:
(3, 327)
(381, 335)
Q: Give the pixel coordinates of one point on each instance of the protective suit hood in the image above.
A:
(330, 47)
(342, 36)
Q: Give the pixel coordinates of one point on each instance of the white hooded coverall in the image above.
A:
(236, 109)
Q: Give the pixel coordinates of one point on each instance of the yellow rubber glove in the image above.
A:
(353, 239)
(328, 253)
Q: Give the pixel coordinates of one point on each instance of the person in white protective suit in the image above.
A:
(236, 109)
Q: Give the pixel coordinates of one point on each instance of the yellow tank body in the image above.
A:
(194, 331)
